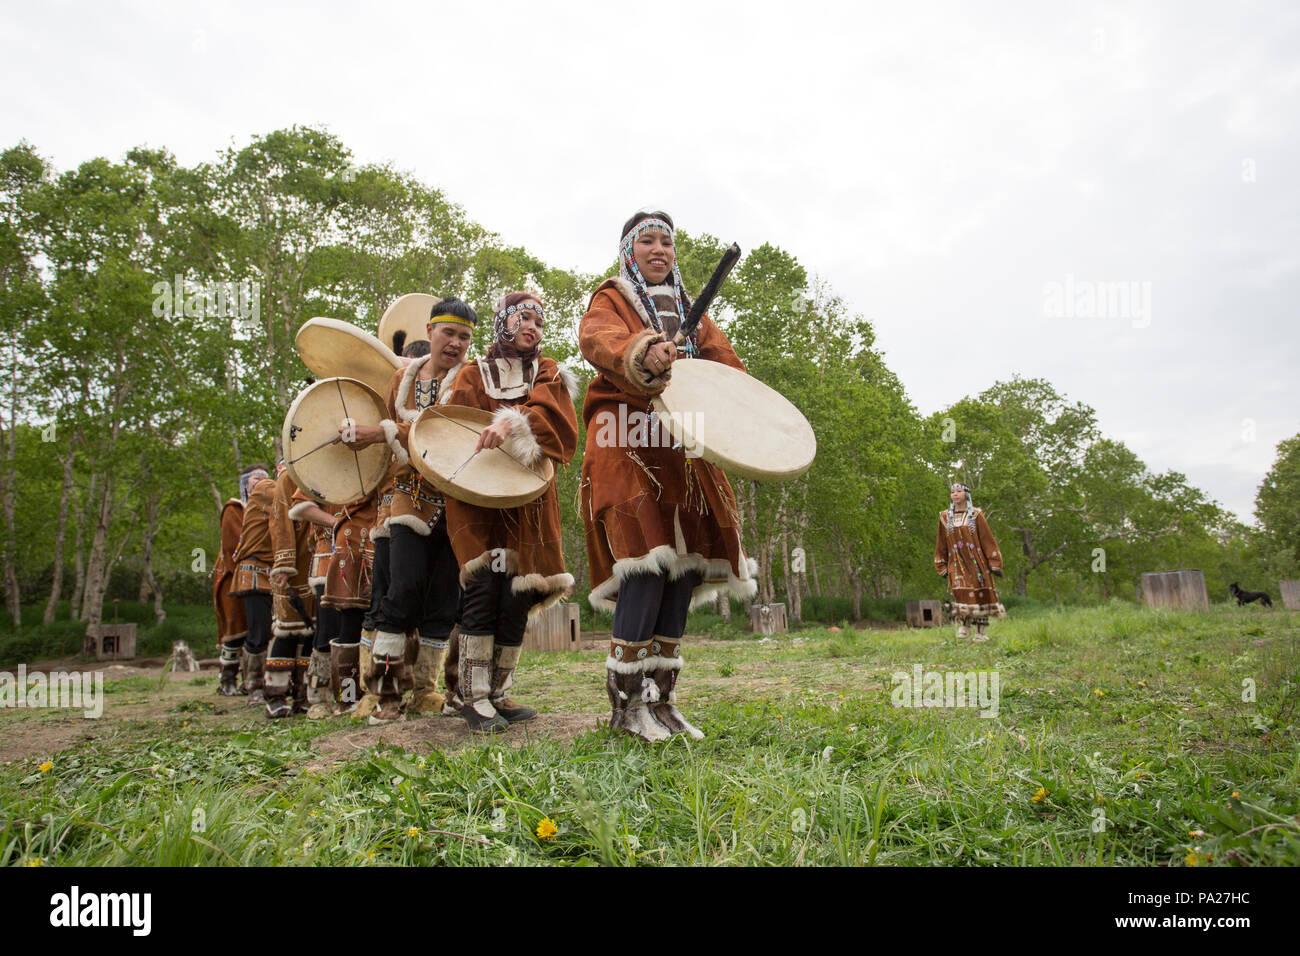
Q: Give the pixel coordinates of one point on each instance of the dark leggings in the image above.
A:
(650, 605)
(257, 608)
(491, 606)
(379, 578)
(423, 583)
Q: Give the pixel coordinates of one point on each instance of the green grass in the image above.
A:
(1128, 724)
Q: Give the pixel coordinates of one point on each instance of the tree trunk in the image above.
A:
(98, 570)
(148, 581)
(855, 576)
(79, 554)
(13, 599)
(60, 533)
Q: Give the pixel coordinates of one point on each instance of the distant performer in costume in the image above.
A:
(293, 604)
(332, 676)
(967, 554)
(511, 559)
(232, 622)
(253, 559)
(662, 529)
(423, 590)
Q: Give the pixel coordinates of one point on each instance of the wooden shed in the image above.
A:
(1176, 589)
(112, 642)
(767, 619)
(555, 629)
(1290, 594)
(924, 613)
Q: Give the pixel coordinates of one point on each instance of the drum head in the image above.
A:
(442, 440)
(333, 348)
(334, 473)
(736, 422)
(410, 313)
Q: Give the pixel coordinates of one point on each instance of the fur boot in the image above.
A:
(663, 666)
(476, 684)
(255, 677)
(504, 662)
(428, 662)
(320, 692)
(631, 691)
(387, 675)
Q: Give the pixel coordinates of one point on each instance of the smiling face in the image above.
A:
(654, 254)
(448, 343)
(529, 330)
(958, 498)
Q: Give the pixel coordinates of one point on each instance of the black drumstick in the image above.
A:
(710, 292)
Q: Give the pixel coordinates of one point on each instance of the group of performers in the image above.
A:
(325, 609)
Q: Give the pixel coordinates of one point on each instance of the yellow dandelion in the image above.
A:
(413, 831)
(1099, 692)
(34, 861)
(1142, 682)
(1236, 795)
(1191, 859)
(1039, 795)
(46, 767)
(370, 855)
(546, 829)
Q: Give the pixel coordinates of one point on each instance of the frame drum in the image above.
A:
(332, 348)
(442, 441)
(409, 313)
(328, 472)
(736, 422)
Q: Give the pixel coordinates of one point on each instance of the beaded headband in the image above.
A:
(644, 226)
(503, 331)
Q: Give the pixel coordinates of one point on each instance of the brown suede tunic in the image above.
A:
(231, 621)
(528, 539)
(648, 508)
(292, 543)
(255, 553)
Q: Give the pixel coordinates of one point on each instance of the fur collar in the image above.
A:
(629, 293)
(409, 414)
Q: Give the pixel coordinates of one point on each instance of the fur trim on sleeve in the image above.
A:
(634, 363)
(296, 512)
(521, 443)
(390, 435)
(569, 379)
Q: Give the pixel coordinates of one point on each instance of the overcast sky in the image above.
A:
(965, 175)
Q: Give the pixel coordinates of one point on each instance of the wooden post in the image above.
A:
(555, 629)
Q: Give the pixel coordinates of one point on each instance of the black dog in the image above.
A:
(1245, 597)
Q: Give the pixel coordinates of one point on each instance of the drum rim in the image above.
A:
(456, 490)
(285, 443)
(725, 462)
